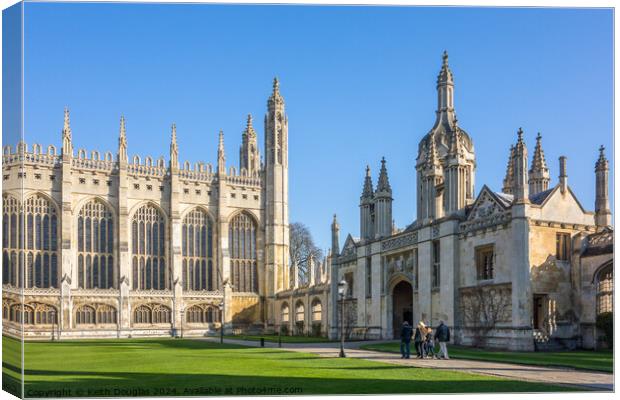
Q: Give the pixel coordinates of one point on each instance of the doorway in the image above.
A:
(402, 306)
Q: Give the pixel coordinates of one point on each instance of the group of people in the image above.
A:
(424, 339)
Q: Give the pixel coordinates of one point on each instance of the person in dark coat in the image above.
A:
(405, 340)
(442, 335)
(418, 339)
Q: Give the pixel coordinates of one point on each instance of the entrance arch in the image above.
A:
(402, 306)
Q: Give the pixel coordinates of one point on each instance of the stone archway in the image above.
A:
(402, 306)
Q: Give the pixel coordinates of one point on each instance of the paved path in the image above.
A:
(591, 380)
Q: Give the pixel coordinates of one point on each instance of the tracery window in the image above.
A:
(317, 310)
(30, 314)
(197, 251)
(148, 249)
(201, 313)
(97, 314)
(95, 237)
(242, 242)
(299, 312)
(285, 313)
(151, 314)
(30, 242)
(605, 290)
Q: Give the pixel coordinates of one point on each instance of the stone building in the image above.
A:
(522, 267)
(110, 246)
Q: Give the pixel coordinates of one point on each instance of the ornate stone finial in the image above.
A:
(520, 135)
(368, 191)
(174, 150)
(276, 85)
(383, 185)
(67, 123)
(275, 100)
(539, 173)
(601, 163)
(67, 145)
(509, 177)
(445, 75)
(221, 156)
(122, 141)
(249, 128)
(432, 156)
(445, 57)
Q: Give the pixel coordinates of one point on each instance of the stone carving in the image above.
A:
(399, 241)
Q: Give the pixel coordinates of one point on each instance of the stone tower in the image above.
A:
(446, 161)
(249, 158)
(276, 195)
(539, 173)
(367, 208)
(335, 237)
(383, 204)
(519, 162)
(602, 216)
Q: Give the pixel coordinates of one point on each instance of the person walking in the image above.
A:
(418, 339)
(429, 344)
(405, 340)
(442, 335)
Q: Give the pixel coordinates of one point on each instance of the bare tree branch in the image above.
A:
(301, 248)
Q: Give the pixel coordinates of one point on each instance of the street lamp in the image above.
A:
(342, 289)
(221, 307)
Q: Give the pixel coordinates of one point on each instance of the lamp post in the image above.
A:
(342, 289)
(221, 307)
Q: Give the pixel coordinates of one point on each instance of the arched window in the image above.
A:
(299, 312)
(30, 243)
(97, 314)
(198, 260)
(317, 310)
(151, 314)
(95, 237)
(285, 313)
(11, 249)
(605, 290)
(149, 249)
(201, 313)
(242, 242)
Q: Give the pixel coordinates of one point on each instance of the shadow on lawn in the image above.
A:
(152, 384)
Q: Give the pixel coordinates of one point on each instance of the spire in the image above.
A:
(368, 191)
(445, 93)
(509, 178)
(539, 173)
(276, 98)
(174, 150)
(445, 75)
(249, 129)
(539, 163)
(221, 156)
(521, 187)
(67, 145)
(122, 142)
(335, 237)
(601, 164)
(383, 185)
(602, 216)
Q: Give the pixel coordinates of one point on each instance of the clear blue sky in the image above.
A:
(359, 84)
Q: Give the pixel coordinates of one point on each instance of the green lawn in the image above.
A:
(285, 339)
(149, 367)
(590, 360)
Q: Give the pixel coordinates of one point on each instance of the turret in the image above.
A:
(602, 215)
(383, 204)
(539, 173)
(249, 158)
(174, 150)
(432, 178)
(67, 145)
(367, 208)
(335, 250)
(276, 192)
(122, 143)
(519, 161)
